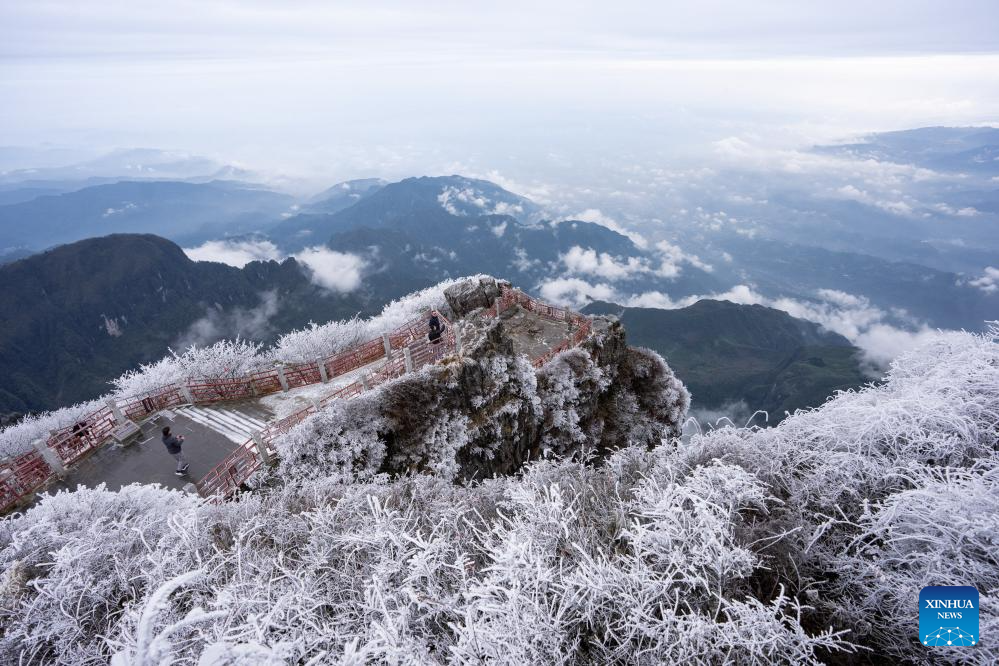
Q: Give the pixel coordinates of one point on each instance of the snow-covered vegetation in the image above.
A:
(229, 358)
(492, 411)
(17, 438)
(803, 543)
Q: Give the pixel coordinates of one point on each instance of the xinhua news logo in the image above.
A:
(948, 615)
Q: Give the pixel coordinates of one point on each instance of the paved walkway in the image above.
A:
(235, 423)
(210, 434)
(532, 335)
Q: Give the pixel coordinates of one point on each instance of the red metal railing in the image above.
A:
(229, 475)
(150, 402)
(22, 476)
(352, 359)
(302, 374)
(76, 441)
(235, 469)
(25, 474)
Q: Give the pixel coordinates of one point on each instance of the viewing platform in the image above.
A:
(230, 424)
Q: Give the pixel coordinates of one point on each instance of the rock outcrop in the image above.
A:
(489, 411)
(470, 295)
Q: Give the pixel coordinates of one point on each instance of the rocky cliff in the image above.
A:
(488, 411)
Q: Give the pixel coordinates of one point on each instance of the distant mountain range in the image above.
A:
(757, 356)
(432, 228)
(927, 196)
(961, 149)
(127, 163)
(437, 227)
(191, 212)
(792, 241)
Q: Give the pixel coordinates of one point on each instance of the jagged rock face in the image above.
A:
(489, 412)
(470, 295)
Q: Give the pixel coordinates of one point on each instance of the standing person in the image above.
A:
(173, 447)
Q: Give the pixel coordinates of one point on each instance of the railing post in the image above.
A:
(50, 457)
(119, 418)
(315, 404)
(387, 342)
(323, 375)
(185, 393)
(258, 441)
(408, 356)
(282, 378)
(364, 382)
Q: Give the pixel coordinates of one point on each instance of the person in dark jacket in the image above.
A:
(80, 432)
(436, 330)
(173, 447)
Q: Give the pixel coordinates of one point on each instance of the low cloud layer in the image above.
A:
(340, 272)
(854, 317)
(575, 292)
(234, 253)
(988, 282)
(597, 217)
(248, 323)
(667, 264)
(589, 262)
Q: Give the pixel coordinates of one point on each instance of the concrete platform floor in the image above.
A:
(146, 460)
(533, 335)
(211, 433)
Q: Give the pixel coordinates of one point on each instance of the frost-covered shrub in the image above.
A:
(225, 359)
(544, 567)
(648, 394)
(316, 342)
(571, 581)
(942, 531)
(340, 443)
(867, 481)
(564, 384)
(148, 377)
(740, 546)
(74, 562)
(17, 438)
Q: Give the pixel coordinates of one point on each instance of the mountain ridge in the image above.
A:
(83, 313)
(727, 353)
(189, 211)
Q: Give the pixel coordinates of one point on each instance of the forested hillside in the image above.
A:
(78, 316)
(745, 357)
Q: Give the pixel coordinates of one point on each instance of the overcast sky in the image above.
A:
(391, 89)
